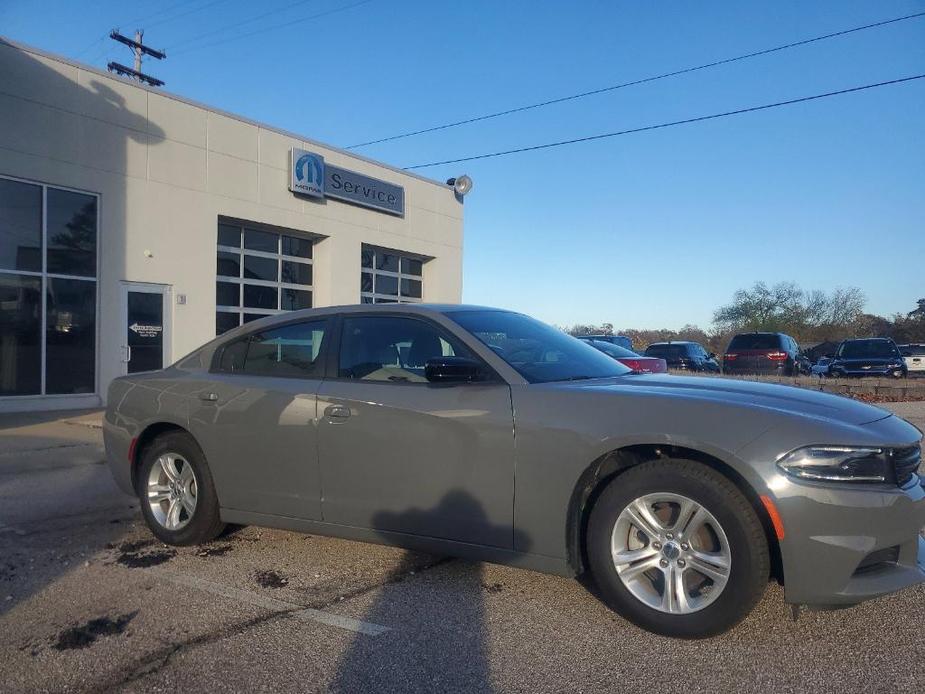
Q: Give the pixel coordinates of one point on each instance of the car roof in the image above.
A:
(673, 342)
(868, 339)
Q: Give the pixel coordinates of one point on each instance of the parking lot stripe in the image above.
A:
(293, 609)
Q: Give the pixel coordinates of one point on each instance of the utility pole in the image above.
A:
(138, 49)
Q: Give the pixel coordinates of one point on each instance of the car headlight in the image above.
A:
(838, 464)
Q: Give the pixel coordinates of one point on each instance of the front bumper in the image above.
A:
(845, 545)
(859, 373)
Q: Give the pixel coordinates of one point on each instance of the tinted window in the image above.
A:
(755, 341)
(265, 241)
(70, 335)
(225, 321)
(20, 335)
(297, 247)
(392, 348)
(615, 351)
(867, 349)
(667, 352)
(258, 296)
(233, 356)
(229, 235)
(71, 233)
(537, 351)
(20, 226)
(291, 350)
(293, 299)
(259, 268)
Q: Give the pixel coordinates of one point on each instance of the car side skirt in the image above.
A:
(432, 545)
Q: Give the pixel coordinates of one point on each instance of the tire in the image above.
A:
(191, 489)
(636, 598)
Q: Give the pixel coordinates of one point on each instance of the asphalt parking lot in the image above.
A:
(90, 602)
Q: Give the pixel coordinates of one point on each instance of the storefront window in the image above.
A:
(390, 277)
(47, 290)
(259, 272)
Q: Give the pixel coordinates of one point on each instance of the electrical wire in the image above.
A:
(199, 36)
(644, 80)
(284, 25)
(686, 121)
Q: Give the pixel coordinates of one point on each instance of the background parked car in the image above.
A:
(689, 356)
(764, 353)
(821, 367)
(627, 357)
(619, 340)
(872, 356)
(914, 356)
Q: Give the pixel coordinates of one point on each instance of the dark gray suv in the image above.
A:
(482, 433)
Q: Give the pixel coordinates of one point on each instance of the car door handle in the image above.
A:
(208, 397)
(336, 412)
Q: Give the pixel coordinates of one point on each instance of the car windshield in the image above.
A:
(615, 351)
(669, 352)
(867, 349)
(537, 351)
(754, 341)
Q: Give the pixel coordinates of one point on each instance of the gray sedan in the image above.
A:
(486, 434)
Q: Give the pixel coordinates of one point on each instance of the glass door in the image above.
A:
(144, 321)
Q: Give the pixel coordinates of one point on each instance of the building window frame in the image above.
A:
(246, 313)
(45, 276)
(375, 297)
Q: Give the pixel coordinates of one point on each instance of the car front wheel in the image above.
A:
(677, 549)
(177, 495)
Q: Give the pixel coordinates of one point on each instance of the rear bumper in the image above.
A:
(767, 367)
(118, 442)
(843, 546)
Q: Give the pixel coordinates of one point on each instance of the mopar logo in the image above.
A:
(307, 173)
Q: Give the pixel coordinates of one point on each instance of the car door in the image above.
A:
(400, 454)
(256, 420)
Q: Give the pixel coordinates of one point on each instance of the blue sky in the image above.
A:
(648, 230)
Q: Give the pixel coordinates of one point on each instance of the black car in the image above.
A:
(873, 356)
(773, 354)
(687, 356)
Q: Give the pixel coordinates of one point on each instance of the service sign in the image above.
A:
(310, 175)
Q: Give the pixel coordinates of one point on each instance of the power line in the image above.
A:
(644, 80)
(250, 20)
(686, 121)
(283, 25)
(179, 15)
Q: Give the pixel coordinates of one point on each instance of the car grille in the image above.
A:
(906, 463)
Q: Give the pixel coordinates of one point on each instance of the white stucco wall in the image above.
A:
(166, 168)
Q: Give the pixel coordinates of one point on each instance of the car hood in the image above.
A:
(782, 399)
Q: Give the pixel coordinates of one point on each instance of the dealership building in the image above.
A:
(136, 225)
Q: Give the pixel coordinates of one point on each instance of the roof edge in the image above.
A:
(228, 114)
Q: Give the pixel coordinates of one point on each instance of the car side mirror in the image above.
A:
(452, 370)
(712, 355)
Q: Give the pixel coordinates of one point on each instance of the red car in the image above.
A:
(645, 365)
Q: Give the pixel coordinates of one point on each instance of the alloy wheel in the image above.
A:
(171, 491)
(671, 553)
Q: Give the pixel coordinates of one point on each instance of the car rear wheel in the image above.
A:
(676, 548)
(177, 495)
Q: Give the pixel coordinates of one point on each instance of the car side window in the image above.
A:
(287, 351)
(392, 348)
(233, 354)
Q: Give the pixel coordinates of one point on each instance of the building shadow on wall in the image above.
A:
(439, 638)
(72, 130)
